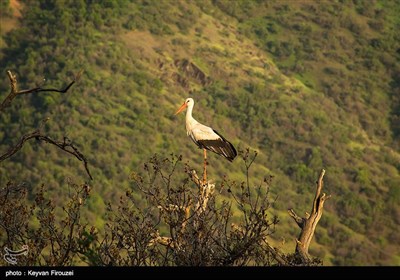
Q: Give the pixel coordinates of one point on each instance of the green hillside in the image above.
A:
(307, 84)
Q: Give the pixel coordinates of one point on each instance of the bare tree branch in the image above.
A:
(300, 221)
(65, 145)
(276, 254)
(206, 190)
(309, 223)
(15, 92)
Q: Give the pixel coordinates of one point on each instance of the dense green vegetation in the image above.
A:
(307, 84)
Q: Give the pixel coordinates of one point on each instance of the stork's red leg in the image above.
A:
(205, 167)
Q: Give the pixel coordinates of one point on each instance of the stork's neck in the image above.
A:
(190, 121)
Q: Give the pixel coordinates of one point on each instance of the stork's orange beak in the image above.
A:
(184, 105)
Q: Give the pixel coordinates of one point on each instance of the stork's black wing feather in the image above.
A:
(220, 146)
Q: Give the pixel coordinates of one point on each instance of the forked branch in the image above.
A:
(15, 92)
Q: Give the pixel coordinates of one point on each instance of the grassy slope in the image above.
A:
(114, 111)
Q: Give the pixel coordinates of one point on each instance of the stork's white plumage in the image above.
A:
(205, 137)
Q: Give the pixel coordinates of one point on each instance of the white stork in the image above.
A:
(205, 137)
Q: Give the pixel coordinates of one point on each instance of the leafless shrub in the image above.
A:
(185, 222)
(51, 240)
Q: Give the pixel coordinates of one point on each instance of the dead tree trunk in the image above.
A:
(206, 191)
(309, 223)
